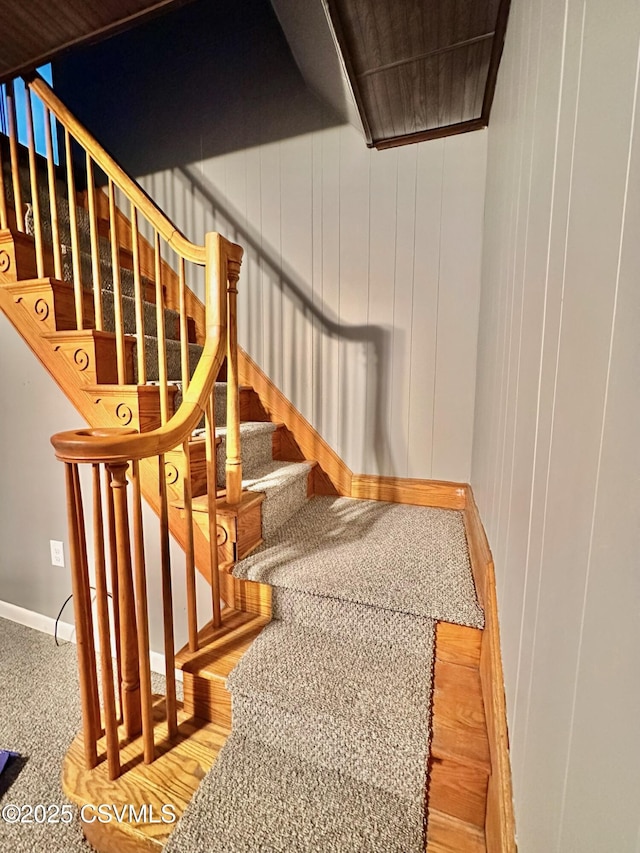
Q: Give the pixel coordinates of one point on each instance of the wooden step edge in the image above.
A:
(82, 334)
(221, 648)
(447, 834)
(201, 504)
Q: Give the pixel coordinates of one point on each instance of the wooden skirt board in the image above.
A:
(171, 779)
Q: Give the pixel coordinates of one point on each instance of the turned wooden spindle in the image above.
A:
(139, 300)
(104, 632)
(82, 608)
(131, 705)
(117, 287)
(167, 604)
(73, 227)
(3, 196)
(33, 177)
(212, 492)
(53, 197)
(184, 330)
(189, 550)
(234, 460)
(142, 616)
(161, 334)
(13, 151)
(113, 577)
(95, 245)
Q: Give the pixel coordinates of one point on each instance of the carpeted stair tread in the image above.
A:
(398, 557)
(172, 318)
(174, 362)
(284, 485)
(259, 798)
(256, 443)
(337, 616)
(340, 702)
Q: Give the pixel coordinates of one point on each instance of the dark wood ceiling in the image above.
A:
(420, 68)
(34, 31)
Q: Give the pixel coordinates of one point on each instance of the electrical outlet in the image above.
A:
(57, 553)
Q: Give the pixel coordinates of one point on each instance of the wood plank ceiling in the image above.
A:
(420, 68)
(33, 31)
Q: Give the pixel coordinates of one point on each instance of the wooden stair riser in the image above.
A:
(239, 527)
(51, 304)
(133, 406)
(93, 355)
(18, 257)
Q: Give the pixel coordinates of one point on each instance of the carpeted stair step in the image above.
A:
(174, 364)
(358, 705)
(259, 798)
(393, 556)
(171, 318)
(256, 443)
(285, 486)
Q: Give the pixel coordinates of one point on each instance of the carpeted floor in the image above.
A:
(405, 558)
(39, 717)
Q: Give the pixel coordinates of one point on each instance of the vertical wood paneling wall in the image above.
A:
(556, 457)
(359, 293)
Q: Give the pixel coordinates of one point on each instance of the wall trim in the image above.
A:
(406, 490)
(281, 410)
(66, 631)
(500, 828)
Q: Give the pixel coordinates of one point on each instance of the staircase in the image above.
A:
(95, 279)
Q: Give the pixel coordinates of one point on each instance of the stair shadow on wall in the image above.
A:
(374, 339)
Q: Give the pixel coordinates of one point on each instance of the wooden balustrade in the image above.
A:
(123, 462)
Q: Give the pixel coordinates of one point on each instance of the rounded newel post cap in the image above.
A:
(90, 445)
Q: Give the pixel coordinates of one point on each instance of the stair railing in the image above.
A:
(118, 521)
(117, 457)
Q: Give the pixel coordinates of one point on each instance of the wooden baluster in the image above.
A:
(95, 246)
(15, 160)
(113, 576)
(137, 284)
(192, 611)
(161, 334)
(234, 460)
(53, 197)
(212, 494)
(82, 609)
(128, 629)
(3, 193)
(184, 328)
(33, 176)
(109, 701)
(117, 286)
(167, 604)
(73, 227)
(142, 614)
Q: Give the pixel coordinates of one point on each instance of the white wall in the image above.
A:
(556, 457)
(360, 288)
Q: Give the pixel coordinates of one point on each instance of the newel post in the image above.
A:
(234, 460)
(131, 705)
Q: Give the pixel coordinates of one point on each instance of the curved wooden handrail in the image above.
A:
(223, 260)
(134, 193)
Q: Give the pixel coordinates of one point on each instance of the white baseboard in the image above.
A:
(66, 631)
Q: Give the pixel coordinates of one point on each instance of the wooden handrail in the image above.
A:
(134, 193)
(117, 445)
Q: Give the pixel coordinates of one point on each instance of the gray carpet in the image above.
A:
(39, 717)
(405, 558)
(257, 798)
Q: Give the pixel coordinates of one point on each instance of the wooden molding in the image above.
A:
(404, 490)
(500, 818)
(311, 443)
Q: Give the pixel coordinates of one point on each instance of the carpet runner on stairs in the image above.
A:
(332, 702)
